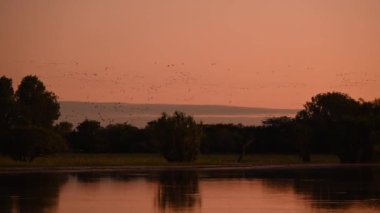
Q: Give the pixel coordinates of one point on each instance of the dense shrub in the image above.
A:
(88, 137)
(27, 143)
(178, 136)
(222, 138)
(125, 138)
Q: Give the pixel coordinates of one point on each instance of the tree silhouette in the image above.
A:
(278, 134)
(302, 134)
(36, 106)
(223, 138)
(6, 103)
(27, 143)
(26, 119)
(179, 136)
(126, 138)
(6, 110)
(64, 128)
(341, 123)
(330, 106)
(88, 137)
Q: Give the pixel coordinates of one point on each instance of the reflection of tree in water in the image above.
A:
(178, 190)
(98, 177)
(90, 177)
(339, 189)
(32, 193)
(329, 188)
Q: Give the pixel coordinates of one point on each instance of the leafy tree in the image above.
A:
(6, 103)
(179, 136)
(277, 135)
(26, 118)
(36, 106)
(329, 106)
(126, 138)
(340, 123)
(278, 121)
(6, 110)
(64, 128)
(27, 143)
(302, 134)
(223, 138)
(375, 134)
(88, 137)
(228, 138)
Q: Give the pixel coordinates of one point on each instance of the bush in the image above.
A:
(27, 143)
(88, 137)
(222, 138)
(125, 138)
(178, 136)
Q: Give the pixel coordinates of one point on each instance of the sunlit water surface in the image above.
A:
(284, 190)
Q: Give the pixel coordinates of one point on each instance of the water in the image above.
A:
(285, 190)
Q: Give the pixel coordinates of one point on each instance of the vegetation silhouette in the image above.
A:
(125, 138)
(7, 103)
(222, 138)
(36, 106)
(26, 120)
(27, 143)
(64, 128)
(178, 136)
(330, 123)
(342, 125)
(89, 136)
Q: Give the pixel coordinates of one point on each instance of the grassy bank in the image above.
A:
(73, 160)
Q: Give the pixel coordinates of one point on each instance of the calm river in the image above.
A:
(281, 190)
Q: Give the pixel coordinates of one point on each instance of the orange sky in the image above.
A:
(269, 53)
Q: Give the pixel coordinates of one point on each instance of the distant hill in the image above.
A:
(140, 114)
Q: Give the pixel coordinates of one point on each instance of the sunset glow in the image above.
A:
(269, 53)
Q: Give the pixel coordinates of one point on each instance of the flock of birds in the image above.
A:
(176, 79)
(127, 83)
(362, 78)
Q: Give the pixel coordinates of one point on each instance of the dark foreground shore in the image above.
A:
(137, 169)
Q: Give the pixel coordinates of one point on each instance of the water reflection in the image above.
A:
(34, 193)
(339, 190)
(178, 191)
(287, 190)
(328, 188)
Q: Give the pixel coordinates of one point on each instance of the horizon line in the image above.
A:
(178, 104)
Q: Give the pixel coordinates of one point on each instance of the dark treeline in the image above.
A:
(331, 123)
(89, 136)
(26, 120)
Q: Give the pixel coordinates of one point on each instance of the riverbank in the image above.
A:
(93, 160)
(66, 163)
(145, 169)
(155, 162)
